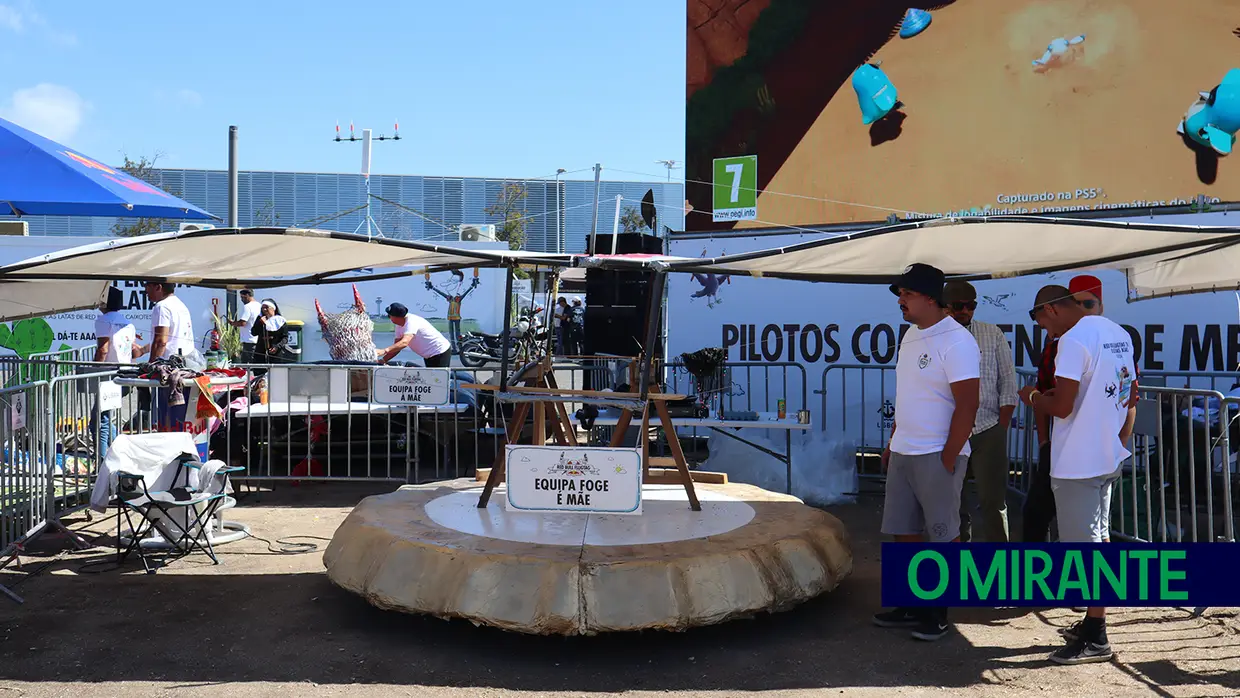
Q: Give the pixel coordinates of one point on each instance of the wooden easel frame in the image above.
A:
(547, 401)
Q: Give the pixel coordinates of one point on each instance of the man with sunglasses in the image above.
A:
(1090, 405)
(988, 462)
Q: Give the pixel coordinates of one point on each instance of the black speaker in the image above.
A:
(605, 288)
(628, 243)
(615, 329)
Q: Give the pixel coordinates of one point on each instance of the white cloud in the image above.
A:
(10, 17)
(189, 98)
(51, 111)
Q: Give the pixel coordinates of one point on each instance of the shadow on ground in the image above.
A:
(262, 617)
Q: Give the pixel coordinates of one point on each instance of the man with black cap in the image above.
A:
(414, 332)
(937, 394)
(988, 463)
(1090, 405)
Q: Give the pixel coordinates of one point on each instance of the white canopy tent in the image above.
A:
(261, 257)
(1206, 270)
(27, 299)
(972, 248)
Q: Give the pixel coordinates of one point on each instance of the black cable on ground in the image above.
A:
(287, 548)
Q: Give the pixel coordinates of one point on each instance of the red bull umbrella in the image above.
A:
(40, 177)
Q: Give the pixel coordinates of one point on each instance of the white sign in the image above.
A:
(109, 396)
(18, 407)
(410, 386)
(587, 480)
(809, 327)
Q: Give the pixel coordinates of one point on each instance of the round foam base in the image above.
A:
(429, 549)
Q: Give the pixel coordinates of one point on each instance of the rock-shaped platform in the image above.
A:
(428, 549)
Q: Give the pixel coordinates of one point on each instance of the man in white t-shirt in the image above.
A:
(937, 396)
(247, 314)
(114, 339)
(419, 336)
(172, 334)
(1094, 394)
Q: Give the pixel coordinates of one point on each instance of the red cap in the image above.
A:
(1086, 284)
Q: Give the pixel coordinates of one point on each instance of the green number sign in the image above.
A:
(736, 188)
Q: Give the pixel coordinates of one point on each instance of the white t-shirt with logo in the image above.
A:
(1098, 354)
(930, 360)
(172, 313)
(427, 341)
(120, 333)
(249, 313)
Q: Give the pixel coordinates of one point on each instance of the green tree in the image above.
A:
(509, 208)
(144, 169)
(266, 216)
(631, 220)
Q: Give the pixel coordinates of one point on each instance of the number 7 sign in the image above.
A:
(735, 190)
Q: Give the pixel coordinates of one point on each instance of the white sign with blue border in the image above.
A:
(585, 480)
(410, 386)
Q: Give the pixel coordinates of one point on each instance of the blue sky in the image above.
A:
(480, 87)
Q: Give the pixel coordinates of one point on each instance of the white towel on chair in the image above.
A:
(207, 481)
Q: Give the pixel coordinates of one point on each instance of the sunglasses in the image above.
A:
(1088, 304)
(1033, 314)
(962, 305)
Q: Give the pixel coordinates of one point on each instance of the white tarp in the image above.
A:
(20, 300)
(1212, 269)
(258, 257)
(978, 248)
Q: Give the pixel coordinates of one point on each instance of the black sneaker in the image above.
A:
(898, 618)
(1083, 652)
(1072, 633)
(930, 629)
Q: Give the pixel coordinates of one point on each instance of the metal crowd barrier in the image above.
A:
(1182, 482)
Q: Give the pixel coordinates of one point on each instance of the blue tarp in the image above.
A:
(40, 177)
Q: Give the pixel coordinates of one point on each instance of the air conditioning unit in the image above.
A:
(477, 232)
(186, 227)
(14, 228)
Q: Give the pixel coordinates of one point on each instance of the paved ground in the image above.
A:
(266, 624)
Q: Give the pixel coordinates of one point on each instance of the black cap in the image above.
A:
(397, 310)
(923, 279)
(247, 291)
(116, 299)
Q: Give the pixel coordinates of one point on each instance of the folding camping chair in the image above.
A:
(181, 514)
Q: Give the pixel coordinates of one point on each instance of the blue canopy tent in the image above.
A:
(40, 177)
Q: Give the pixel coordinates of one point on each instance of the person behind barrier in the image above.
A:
(172, 334)
(988, 462)
(937, 394)
(416, 333)
(271, 334)
(114, 339)
(247, 315)
(1095, 381)
(1039, 508)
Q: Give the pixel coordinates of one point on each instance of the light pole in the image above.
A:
(670, 165)
(559, 234)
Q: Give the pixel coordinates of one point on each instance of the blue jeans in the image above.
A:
(105, 432)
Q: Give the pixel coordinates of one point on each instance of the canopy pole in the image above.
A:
(232, 177)
(503, 333)
(653, 314)
(598, 171)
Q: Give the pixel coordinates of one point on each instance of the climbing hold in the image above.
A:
(915, 22)
(875, 94)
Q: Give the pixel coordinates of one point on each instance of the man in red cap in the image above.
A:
(1087, 290)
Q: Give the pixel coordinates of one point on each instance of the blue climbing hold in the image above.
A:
(915, 22)
(875, 94)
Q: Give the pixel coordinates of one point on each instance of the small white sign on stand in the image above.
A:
(410, 386)
(18, 414)
(567, 479)
(109, 396)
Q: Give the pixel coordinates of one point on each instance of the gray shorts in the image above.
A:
(1083, 508)
(922, 497)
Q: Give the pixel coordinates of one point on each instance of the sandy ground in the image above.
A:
(264, 624)
(981, 122)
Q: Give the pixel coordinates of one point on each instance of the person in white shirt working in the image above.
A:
(1092, 405)
(246, 316)
(172, 334)
(414, 332)
(114, 339)
(937, 376)
(988, 463)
